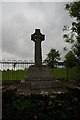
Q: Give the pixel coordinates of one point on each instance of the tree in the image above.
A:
(52, 57)
(73, 35)
(70, 59)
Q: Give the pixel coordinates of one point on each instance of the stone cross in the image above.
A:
(37, 37)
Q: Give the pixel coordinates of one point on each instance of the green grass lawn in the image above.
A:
(14, 75)
(66, 74)
(57, 73)
(0, 75)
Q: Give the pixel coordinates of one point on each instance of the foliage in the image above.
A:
(73, 34)
(64, 106)
(70, 59)
(52, 57)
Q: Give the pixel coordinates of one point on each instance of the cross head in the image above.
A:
(37, 36)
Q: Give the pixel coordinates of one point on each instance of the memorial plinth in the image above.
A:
(38, 75)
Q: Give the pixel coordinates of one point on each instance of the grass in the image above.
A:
(13, 77)
(0, 75)
(66, 73)
(58, 73)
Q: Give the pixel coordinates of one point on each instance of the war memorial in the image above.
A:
(39, 76)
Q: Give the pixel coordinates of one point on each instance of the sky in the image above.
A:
(19, 21)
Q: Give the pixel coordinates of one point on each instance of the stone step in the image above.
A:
(41, 84)
(45, 84)
(37, 79)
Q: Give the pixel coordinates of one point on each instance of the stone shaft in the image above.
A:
(38, 53)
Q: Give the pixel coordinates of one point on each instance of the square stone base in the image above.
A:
(39, 77)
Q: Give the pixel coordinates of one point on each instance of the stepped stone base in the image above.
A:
(39, 78)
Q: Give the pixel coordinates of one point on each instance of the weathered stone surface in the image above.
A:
(36, 73)
(45, 84)
(41, 84)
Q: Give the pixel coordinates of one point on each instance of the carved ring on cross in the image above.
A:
(37, 36)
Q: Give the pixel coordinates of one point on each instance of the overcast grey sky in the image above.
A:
(20, 19)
